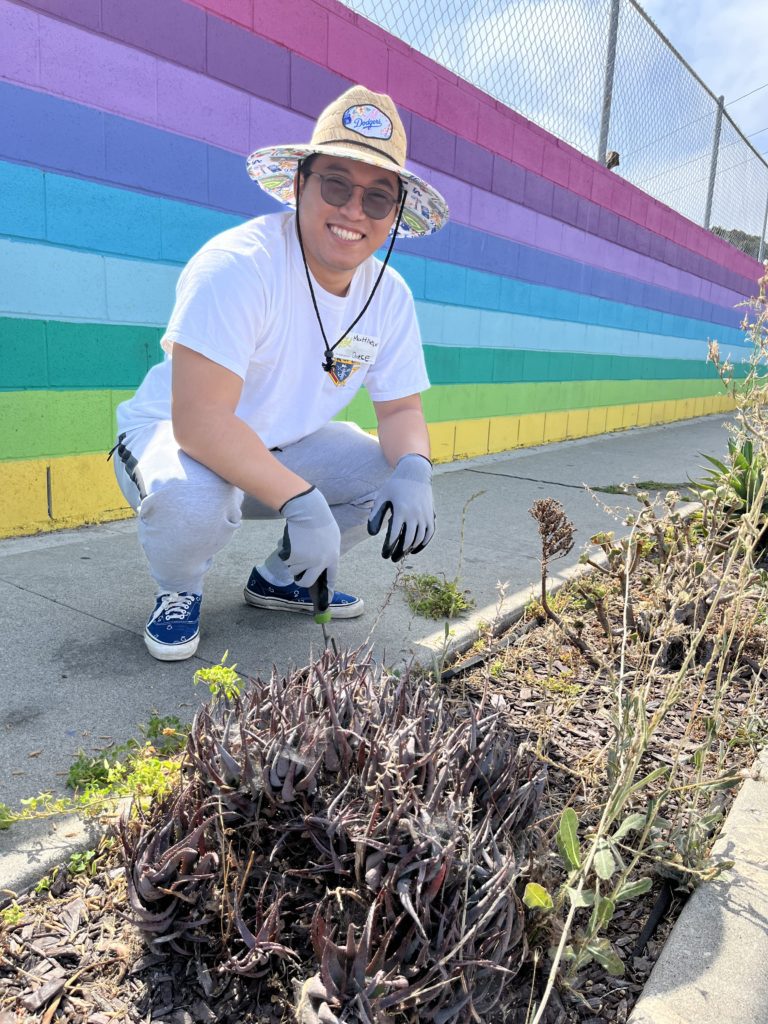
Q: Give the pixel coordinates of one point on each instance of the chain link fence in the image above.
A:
(600, 75)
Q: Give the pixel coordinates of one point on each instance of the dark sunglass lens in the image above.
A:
(335, 191)
(377, 204)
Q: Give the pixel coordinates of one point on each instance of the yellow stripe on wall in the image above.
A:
(39, 495)
(466, 439)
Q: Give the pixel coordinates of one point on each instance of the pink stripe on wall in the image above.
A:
(80, 65)
(327, 32)
(94, 69)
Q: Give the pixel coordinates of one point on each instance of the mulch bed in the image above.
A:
(76, 956)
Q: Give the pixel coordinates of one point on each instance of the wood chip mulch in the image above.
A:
(75, 956)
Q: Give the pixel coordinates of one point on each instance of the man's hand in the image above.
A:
(311, 538)
(407, 496)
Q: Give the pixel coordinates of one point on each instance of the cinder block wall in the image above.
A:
(560, 301)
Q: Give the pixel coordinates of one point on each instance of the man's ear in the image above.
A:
(296, 185)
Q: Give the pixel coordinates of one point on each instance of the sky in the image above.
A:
(546, 59)
(724, 42)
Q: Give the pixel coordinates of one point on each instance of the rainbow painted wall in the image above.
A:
(560, 302)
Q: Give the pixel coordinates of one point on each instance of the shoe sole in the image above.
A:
(171, 652)
(279, 604)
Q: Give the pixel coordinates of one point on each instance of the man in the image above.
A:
(277, 324)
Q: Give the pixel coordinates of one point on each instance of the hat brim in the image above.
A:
(274, 168)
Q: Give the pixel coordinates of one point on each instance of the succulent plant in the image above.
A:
(352, 827)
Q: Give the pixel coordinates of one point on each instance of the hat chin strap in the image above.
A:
(329, 362)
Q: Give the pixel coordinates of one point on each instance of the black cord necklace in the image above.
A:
(329, 362)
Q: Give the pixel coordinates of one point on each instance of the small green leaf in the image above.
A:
(602, 914)
(632, 823)
(606, 956)
(651, 777)
(724, 782)
(580, 898)
(604, 862)
(568, 839)
(631, 890)
(7, 816)
(536, 897)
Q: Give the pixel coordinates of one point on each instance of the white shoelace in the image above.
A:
(174, 606)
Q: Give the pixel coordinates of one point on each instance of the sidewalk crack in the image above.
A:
(530, 479)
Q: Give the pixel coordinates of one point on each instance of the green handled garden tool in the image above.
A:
(321, 607)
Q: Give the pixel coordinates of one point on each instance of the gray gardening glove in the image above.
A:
(407, 496)
(311, 538)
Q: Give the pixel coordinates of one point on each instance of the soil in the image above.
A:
(74, 955)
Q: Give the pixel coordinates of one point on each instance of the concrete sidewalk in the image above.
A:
(75, 673)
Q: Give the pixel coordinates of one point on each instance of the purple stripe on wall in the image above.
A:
(171, 164)
(170, 28)
(158, 162)
(175, 30)
(191, 104)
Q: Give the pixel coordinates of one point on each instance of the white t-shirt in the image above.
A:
(243, 302)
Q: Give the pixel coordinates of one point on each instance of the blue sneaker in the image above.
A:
(294, 598)
(173, 630)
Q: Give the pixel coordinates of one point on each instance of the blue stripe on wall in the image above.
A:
(96, 145)
(95, 217)
(46, 281)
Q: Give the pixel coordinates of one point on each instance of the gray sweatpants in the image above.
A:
(187, 512)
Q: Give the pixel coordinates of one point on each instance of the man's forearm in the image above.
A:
(224, 443)
(403, 432)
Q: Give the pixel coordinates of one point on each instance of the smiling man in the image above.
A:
(277, 324)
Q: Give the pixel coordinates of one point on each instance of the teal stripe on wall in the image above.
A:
(56, 354)
(485, 366)
(36, 354)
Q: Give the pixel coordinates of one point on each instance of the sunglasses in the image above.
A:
(336, 191)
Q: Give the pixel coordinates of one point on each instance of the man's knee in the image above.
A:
(192, 503)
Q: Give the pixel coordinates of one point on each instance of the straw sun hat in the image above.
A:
(364, 126)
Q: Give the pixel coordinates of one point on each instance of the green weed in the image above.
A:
(82, 863)
(164, 735)
(640, 485)
(222, 680)
(12, 915)
(560, 686)
(435, 597)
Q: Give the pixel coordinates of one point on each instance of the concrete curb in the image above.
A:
(712, 969)
(38, 852)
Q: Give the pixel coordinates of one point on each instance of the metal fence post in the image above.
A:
(761, 251)
(713, 161)
(610, 65)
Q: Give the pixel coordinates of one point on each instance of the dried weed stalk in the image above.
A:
(681, 603)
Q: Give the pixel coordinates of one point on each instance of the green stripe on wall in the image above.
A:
(54, 354)
(475, 401)
(52, 423)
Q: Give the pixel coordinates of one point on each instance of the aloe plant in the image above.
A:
(741, 483)
(352, 828)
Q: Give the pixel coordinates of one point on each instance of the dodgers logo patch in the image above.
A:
(368, 121)
(342, 370)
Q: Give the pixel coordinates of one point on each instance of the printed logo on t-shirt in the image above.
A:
(342, 370)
